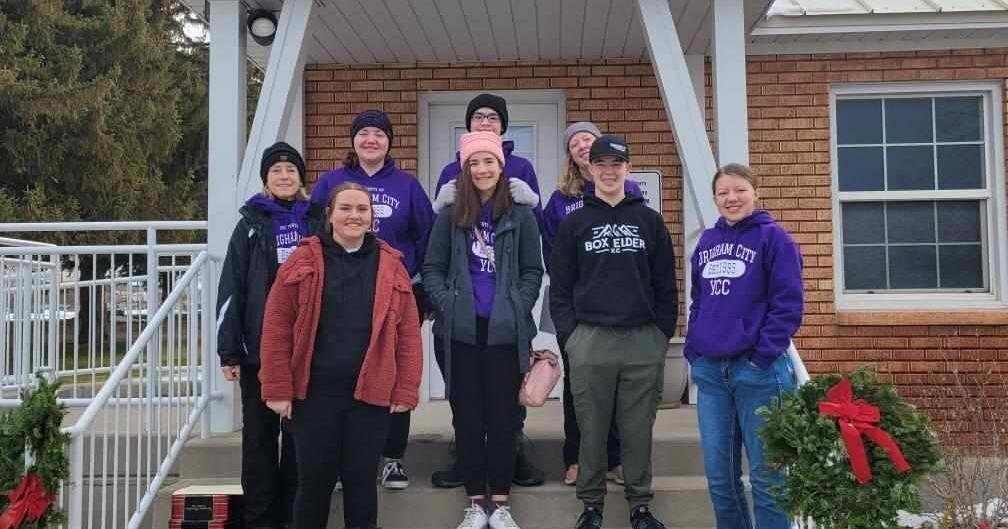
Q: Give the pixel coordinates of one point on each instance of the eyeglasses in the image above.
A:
(489, 118)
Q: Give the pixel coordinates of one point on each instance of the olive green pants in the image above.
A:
(623, 369)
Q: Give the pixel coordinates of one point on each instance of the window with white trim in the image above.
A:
(917, 197)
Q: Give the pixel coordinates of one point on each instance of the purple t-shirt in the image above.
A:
(403, 216)
(482, 266)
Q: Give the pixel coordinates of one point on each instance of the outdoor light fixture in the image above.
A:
(262, 25)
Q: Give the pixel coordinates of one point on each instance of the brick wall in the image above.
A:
(934, 358)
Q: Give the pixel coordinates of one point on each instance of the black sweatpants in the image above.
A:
(572, 433)
(269, 471)
(484, 389)
(337, 437)
(399, 423)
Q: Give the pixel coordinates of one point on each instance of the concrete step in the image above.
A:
(676, 452)
(680, 502)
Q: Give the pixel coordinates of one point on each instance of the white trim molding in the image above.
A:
(994, 232)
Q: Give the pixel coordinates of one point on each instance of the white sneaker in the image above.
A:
(501, 519)
(475, 518)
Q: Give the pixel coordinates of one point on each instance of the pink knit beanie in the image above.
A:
(481, 141)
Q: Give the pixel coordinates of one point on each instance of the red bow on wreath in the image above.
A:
(856, 417)
(29, 500)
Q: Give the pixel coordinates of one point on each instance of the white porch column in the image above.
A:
(295, 125)
(227, 146)
(731, 121)
(272, 117)
(680, 99)
(692, 225)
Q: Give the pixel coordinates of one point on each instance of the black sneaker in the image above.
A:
(641, 518)
(447, 479)
(525, 473)
(394, 475)
(589, 519)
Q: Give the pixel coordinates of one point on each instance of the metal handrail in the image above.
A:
(88, 250)
(104, 226)
(23, 242)
(110, 386)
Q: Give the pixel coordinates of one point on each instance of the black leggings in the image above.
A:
(268, 468)
(484, 388)
(399, 423)
(337, 438)
(572, 433)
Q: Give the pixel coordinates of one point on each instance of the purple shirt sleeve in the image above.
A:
(421, 223)
(324, 186)
(785, 299)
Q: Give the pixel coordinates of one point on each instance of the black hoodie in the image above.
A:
(613, 266)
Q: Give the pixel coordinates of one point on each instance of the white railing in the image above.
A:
(126, 441)
(76, 309)
(135, 370)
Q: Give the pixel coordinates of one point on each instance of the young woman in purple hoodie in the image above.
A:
(575, 182)
(403, 217)
(747, 300)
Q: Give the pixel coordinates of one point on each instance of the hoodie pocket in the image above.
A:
(717, 336)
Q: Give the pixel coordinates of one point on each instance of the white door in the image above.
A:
(535, 121)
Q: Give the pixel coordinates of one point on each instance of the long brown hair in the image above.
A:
(468, 205)
(571, 182)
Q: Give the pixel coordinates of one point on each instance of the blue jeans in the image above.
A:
(730, 392)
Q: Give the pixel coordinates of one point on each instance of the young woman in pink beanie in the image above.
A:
(483, 271)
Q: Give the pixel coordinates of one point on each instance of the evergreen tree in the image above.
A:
(95, 100)
(103, 116)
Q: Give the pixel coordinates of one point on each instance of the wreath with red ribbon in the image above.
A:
(853, 452)
(27, 494)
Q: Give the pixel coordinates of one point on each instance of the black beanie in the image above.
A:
(372, 118)
(281, 152)
(489, 101)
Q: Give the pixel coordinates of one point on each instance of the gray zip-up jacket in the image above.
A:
(519, 272)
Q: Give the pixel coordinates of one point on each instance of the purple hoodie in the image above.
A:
(403, 216)
(289, 219)
(747, 291)
(561, 205)
(514, 167)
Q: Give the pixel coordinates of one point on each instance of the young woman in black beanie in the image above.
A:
(271, 225)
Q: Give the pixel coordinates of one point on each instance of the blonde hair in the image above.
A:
(300, 195)
(736, 169)
(571, 180)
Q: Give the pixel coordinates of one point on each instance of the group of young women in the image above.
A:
(321, 302)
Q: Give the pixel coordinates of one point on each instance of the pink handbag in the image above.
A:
(541, 378)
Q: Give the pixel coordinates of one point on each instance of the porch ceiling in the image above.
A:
(448, 31)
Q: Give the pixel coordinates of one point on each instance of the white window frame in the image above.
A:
(995, 232)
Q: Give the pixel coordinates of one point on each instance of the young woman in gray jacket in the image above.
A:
(483, 271)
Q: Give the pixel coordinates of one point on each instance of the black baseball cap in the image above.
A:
(609, 145)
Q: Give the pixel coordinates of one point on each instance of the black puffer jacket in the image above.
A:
(246, 277)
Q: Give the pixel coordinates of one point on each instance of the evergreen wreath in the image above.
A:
(34, 426)
(819, 483)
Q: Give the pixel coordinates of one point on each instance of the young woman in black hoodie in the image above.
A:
(271, 225)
